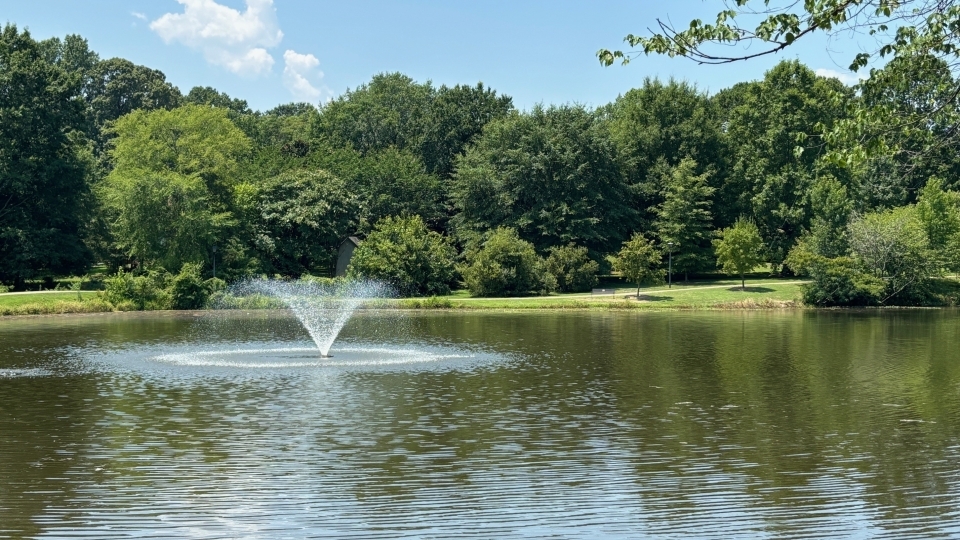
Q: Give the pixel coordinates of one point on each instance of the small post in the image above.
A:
(669, 265)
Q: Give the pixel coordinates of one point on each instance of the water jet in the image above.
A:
(323, 308)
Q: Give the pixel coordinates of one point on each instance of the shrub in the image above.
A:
(187, 289)
(572, 268)
(404, 253)
(838, 282)
(139, 292)
(892, 245)
(505, 265)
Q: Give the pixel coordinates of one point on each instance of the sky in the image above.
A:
(271, 52)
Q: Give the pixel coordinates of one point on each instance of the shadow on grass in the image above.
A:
(650, 298)
(751, 289)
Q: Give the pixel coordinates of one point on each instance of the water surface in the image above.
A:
(438, 425)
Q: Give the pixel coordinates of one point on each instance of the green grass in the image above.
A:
(54, 302)
(718, 294)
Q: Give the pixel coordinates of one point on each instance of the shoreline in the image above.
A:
(193, 314)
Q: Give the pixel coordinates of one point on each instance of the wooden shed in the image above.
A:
(345, 253)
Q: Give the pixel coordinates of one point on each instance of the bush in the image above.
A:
(893, 245)
(160, 290)
(139, 292)
(404, 253)
(505, 265)
(572, 268)
(838, 282)
(187, 289)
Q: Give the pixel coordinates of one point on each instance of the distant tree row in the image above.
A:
(105, 161)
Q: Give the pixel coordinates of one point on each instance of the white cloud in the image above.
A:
(139, 15)
(847, 78)
(299, 75)
(227, 37)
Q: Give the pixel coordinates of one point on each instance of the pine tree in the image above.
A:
(684, 218)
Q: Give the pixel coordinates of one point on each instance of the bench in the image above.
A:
(604, 291)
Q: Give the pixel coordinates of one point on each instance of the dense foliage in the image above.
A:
(505, 265)
(405, 254)
(104, 161)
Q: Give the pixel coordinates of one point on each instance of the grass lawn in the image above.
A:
(714, 294)
(720, 294)
(50, 302)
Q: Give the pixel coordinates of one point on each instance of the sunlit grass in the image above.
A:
(720, 294)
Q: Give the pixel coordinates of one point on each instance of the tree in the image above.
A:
(189, 140)
(171, 192)
(639, 261)
(117, 87)
(162, 218)
(831, 207)
(892, 245)
(402, 252)
(571, 266)
(903, 131)
(43, 171)
(684, 218)
(898, 29)
(657, 126)
(738, 249)
(768, 175)
(394, 182)
(391, 110)
(939, 213)
(834, 281)
(504, 265)
(552, 175)
(303, 215)
(918, 24)
(72, 54)
(457, 117)
(207, 95)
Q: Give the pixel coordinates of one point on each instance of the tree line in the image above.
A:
(104, 161)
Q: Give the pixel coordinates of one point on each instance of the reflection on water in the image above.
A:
(753, 424)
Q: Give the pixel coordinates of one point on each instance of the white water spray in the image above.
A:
(323, 309)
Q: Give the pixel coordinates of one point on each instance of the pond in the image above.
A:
(768, 424)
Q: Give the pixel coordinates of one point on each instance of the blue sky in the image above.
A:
(276, 51)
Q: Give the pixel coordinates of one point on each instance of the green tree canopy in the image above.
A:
(394, 182)
(684, 218)
(392, 110)
(552, 175)
(404, 253)
(303, 215)
(770, 176)
(738, 248)
(173, 183)
(43, 174)
(117, 87)
(639, 261)
(657, 126)
(572, 268)
(190, 140)
(162, 218)
(892, 245)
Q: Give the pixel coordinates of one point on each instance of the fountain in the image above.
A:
(322, 308)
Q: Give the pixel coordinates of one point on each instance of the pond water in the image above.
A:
(438, 425)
